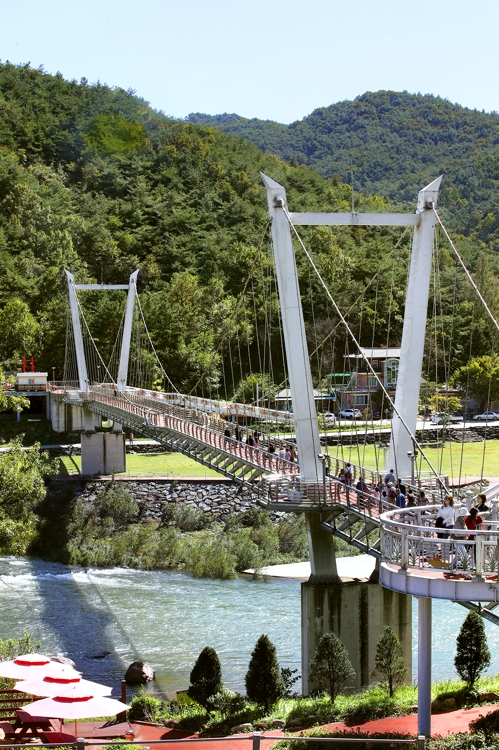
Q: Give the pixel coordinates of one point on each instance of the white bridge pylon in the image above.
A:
(131, 287)
(413, 336)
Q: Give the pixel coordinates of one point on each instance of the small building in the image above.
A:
(362, 391)
(31, 381)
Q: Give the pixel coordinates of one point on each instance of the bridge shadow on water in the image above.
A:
(72, 608)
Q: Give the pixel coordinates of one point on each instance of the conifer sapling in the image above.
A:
(472, 655)
(206, 677)
(264, 682)
(389, 662)
(331, 668)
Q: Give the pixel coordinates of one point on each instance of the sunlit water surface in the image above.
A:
(104, 619)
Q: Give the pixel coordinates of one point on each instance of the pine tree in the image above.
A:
(472, 655)
(389, 662)
(206, 677)
(264, 682)
(331, 667)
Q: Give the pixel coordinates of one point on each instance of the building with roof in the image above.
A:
(358, 387)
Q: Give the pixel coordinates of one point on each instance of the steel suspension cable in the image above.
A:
(352, 336)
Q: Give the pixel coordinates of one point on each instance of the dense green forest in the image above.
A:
(394, 143)
(94, 180)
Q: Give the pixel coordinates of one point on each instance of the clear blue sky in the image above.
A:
(273, 59)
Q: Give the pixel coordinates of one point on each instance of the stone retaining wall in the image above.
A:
(219, 498)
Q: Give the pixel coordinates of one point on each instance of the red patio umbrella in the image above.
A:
(29, 667)
(56, 681)
(76, 703)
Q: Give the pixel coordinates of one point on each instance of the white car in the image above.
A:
(487, 416)
(329, 417)
(441, 417)
(350, 414)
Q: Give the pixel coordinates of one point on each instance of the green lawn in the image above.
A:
(446, 459)
(161, 464)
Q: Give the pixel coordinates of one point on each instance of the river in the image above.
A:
(105, 618)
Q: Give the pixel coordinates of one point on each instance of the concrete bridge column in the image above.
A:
(356, 612)
(101, 452)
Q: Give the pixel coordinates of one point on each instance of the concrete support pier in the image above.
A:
(102, 452)
(357, 614)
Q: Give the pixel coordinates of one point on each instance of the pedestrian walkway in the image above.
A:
(450, 722)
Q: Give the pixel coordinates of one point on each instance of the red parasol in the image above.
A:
(29, 667)
(76, 703)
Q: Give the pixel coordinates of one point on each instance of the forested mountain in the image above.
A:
(94, 180)
(395, 143)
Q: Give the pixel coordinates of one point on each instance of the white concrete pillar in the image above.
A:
(424, 666)
(127, 333)
(413, 334)
(300, 376)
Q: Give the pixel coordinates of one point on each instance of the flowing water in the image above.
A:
(104, 619)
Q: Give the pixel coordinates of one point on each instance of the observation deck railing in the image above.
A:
(409, 539)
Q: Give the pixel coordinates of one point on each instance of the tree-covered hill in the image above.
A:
(94, 180)
(395, 143)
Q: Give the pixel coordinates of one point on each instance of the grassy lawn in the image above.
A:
(447, 459)
(161, 464)
(34, 428)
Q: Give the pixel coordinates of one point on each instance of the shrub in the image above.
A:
(144, 708)
(116, 503)
(264, 682)
(331, 668)
(389, 663)
(473, 655)
(209, 558)
(255, 517)
(228, 703)
(206, 678)
(289, 677)
(184, 517)
(486, 724)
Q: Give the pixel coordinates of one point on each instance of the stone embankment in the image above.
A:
(218, 497)
(476, 434)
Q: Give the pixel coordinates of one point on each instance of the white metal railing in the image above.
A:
(410, 539)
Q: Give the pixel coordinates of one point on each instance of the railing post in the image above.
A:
(80, 743)
(420, 742)
(478, 556)
(404, 549)
(256, 740)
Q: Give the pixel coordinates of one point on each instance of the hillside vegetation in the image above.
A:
(94, 180)
(395, 143)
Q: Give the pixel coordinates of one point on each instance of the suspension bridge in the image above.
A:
(298, 472)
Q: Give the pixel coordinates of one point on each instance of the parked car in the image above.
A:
(442, 417)
(487, 416)
(350, 414)
(329, 417)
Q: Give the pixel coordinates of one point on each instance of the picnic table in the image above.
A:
(32, 726)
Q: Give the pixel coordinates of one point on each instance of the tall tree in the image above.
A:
(480, 379)
(472, 654)
(264, 681)
(331, 668)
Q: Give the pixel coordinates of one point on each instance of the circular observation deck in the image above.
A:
(419, 559)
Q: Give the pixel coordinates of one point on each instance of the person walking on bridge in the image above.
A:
(390, 478)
